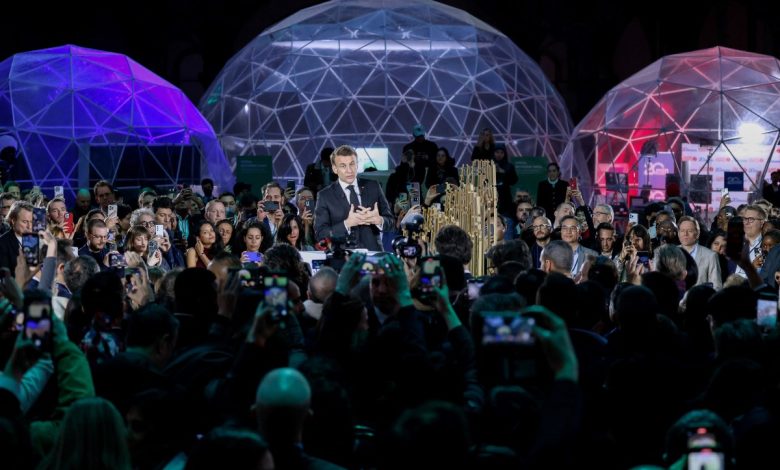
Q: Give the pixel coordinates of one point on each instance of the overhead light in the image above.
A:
(751, 133)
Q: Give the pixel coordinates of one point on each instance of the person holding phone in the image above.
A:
(20, 218)
(257, 239)
(137, 241)
(305, 201)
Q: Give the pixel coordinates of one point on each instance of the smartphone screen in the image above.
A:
(316, 264)
(441, 188)
(507, 328)
(474, 287)
(159, 231)
(735, 238)
(573, 183)
(291, 184)
(276, 294)
(705, 459)
(39, 219)
(271, 206)
(112, 210)
(254, 257)
(414, 194)
(153, 246)
(431, 275)
(643, 258)
(116, 260)
(633, 218)
(767, 311)
(37, 324)
(31, 248)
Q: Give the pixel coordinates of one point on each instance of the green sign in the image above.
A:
(256, 170)
(530, 170)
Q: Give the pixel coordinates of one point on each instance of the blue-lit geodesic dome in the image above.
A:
(80, 115)
(364, 72)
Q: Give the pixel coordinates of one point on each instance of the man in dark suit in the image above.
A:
(352, 208)
(20, 219)
(552, 191)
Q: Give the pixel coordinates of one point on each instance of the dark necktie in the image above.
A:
(353, 198)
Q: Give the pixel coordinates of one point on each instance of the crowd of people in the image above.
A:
(185, 330)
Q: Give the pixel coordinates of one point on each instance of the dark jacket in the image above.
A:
(333, 207)
(9, 250)
(549, 197)
(506, 177)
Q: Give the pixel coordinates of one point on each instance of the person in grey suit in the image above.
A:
(706, 259)
(352, 208)
(570, 233)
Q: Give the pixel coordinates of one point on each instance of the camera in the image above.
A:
(406, 247)
(337, 254)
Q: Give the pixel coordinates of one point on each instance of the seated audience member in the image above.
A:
(207, 245)
(226, 230)
(256, 240)
(290, 232)
(97, 244)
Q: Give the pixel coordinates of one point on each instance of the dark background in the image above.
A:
(585, 48)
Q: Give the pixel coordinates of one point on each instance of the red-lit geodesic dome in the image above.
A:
(698, 115)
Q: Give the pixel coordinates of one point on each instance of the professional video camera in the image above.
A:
(407, 246)
(336, 254)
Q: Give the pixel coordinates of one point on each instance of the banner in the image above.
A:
(530, 171)
(256, 170)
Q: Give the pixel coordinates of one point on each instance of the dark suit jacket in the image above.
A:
(333, 207)
(549, 198)
(9, 250)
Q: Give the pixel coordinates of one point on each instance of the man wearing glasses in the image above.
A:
(542, 229)
(96, 247)
(752, 221)
(570, 233)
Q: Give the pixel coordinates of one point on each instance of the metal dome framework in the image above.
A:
(706, 112)
(76, 111)
(364, 72)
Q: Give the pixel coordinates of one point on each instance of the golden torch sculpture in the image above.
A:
(471, 206)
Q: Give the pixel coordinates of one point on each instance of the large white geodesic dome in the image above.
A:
(702, 116)
(364, 72)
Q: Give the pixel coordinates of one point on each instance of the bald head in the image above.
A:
(322, 284)
(282, 404)
(284, 387)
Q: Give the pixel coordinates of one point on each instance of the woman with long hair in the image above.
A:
(207, 245)
(290, 232)
(443, 167)
(256, 238)
(226, 234)
(485, 146)
(137, 241)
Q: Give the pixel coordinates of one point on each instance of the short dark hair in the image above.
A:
(454, 241)
(102, 183)
(163, 202)
(64, 253)
(553, 164)
(150, 324)
(78, 271)
(605, 226)
(206, 181)
(511, 250)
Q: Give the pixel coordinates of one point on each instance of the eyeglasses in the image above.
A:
(601, 213)
(540, 227)
(569, 228)
(750, 220)
(147, 224)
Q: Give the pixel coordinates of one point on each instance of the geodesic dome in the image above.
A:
(81, 114)
(364, 72)
(702, 116)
